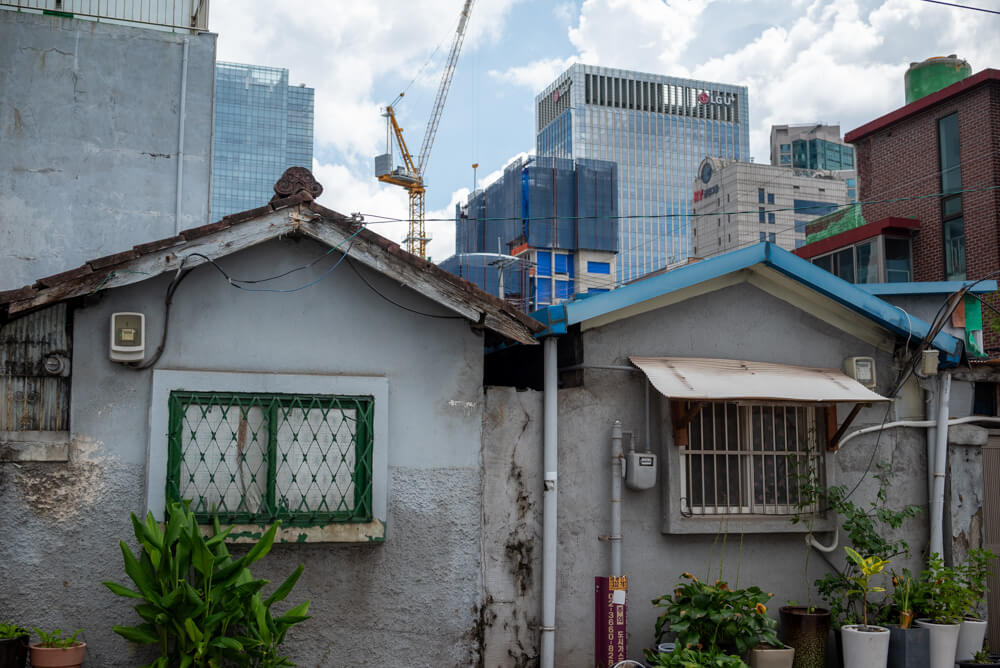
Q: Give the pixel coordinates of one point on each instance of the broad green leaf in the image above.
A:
(122, 591)
(138, 574)
(286, 587)
(227, 643)
(263, 546)
(144, 633)
(193, 632)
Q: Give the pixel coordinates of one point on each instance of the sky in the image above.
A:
(838, 62)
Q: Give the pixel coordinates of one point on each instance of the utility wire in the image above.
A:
(952, 4)
(397, 304)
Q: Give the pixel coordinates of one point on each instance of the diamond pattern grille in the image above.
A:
(257, 458)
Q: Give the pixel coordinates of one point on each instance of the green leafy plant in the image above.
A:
(867, 528)
(714, 616)
(200, 607)
(10, 630)
(54, 639)
(982, 656)
(687, 657)
(940, 594)
(973, 574)
(902, 597)
(868, 567)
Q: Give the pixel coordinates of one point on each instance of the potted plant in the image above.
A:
(13, 645)
(708, 616)
(940, 597)
(981, 659)
(690, 657)
(908, 645)
(974, 572)
(865, 645)
(55, 651)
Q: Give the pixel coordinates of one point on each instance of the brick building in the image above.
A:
(946, 142)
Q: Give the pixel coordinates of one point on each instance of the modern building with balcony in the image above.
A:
(657, 129)
(263, 126)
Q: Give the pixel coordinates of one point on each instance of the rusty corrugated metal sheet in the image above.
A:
(30, 398)
(703, 379)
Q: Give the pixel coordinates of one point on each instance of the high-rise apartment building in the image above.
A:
(658, 129)
(815, 146)
(742, 203)
(263, 126)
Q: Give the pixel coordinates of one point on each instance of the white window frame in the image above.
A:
(167, 380)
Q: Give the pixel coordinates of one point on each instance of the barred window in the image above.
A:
(750, 458)
(257, 458)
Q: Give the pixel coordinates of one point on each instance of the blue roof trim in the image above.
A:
(928, 287)
(557, 318)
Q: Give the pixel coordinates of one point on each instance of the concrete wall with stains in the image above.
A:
(738, 322)
(413, 600)
(89, 123)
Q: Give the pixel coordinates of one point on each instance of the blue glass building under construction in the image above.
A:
(550, 225)
(263, 126)
(657, 129)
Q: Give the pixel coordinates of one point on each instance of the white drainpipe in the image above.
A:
(549, 528)
(182, 112)
(617, 457)
(930, 412)
(940, 465)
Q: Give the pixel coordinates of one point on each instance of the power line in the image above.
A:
(952, 4)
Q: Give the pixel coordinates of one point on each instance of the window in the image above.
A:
(544, 264)
(258, 458)
(866, 262)
(763, 236)
(760, 215)
(897, 260)
(770, 218)
(770, 198)
(561, 263)
(749, 458)
(953, 225)
(563, 289)
(600, 267)
(771, 237)
(760, 195)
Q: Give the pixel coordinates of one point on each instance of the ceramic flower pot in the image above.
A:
(765, 656)
(970, 638)
(943, 643)
(805, 630)
(993, 663)
(909, 648)
(57, 657)
(14, 652)
(865, 646)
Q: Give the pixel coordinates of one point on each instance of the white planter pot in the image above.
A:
(865, 648)
(944, 643)
(970, 638)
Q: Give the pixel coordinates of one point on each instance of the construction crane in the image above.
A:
(410, 175)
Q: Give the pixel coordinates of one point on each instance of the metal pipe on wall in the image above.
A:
(549, 528)
(940, 465)
(617, 457)
(930, 412)
(182, 113)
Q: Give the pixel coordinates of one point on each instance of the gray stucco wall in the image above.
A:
(89, 122)
(413, 600)
(739, 322)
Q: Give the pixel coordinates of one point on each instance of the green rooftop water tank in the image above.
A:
(933, 74)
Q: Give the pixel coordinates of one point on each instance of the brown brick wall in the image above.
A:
(901, 160)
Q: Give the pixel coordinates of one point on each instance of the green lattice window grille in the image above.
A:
(257, 458)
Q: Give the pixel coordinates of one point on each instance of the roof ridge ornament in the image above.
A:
(294, 181)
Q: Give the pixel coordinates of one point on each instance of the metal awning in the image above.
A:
(703, 379)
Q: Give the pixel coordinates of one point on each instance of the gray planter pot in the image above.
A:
(772, 657)
(909, 648)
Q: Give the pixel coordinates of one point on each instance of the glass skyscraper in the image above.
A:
(263, 126)
(658, 129)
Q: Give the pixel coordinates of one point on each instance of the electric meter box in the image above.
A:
(861, 369)
(128, 337)
(640, 470)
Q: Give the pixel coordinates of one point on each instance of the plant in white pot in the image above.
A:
(940, 598)
(974, 572)
(865, 645)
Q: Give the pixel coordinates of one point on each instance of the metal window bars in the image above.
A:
(749, 459)
(257, 458)
(187, 15)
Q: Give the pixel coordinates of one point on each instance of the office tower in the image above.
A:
(743, 203)
(557, 217)
(815, 146)
(263, 126)
(658, 129)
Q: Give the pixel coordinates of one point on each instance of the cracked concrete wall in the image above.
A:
(413, 600)
(89, 122)
(738, 322)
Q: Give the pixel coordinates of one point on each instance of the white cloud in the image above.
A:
(536, 75)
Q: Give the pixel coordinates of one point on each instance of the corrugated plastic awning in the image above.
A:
(701, 379)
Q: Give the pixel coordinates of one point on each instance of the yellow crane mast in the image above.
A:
(410, 175)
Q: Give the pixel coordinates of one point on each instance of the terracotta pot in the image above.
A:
(970, 638)
(943, 643)
(909, 648)
(865, 646)
(806, 631)
(57, 657)
(772, 657)
(14, 652)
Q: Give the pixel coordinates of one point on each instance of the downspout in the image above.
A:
(617, 456)
(549, 534)
(182, 112)
(931, 400)
(940, 465)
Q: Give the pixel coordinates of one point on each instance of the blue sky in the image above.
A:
(803, 61)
